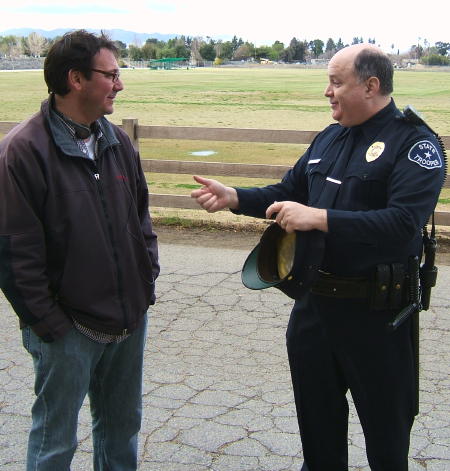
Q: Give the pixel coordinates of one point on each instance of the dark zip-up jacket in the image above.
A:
(76, 238)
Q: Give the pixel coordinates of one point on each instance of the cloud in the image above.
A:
(261, 22)
(69, 10)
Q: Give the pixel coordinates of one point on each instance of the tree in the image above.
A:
(224, 50)
(442, 48)
(339, 45)
(419, 51)
(196, 58)
(331, 46)
(357, 40)
(207, 51)
(330, 49)
(243, 52)
(122, 48)
(156, 42)
(11, 46)
(297, 50)
(181, 50)
(179, 47)
(316, 47)
(149, 51)
(276, 50)
(262, 52)
(35, 44)
(236, 43)
(435, 59)
(166, 51)
(135, 53)
(286, 55)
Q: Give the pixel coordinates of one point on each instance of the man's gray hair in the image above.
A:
(371, 63)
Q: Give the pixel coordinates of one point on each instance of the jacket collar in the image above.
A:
(65, 138)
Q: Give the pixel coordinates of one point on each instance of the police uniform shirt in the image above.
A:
(387, 184)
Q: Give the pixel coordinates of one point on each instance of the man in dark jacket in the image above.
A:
(367, 186)
(79, 257)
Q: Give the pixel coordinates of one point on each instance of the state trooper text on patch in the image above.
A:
(426, 155)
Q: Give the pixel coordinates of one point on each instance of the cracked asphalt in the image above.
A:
(217, 390)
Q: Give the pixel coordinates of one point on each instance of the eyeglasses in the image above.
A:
(114, 76)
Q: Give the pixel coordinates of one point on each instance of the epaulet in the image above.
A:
(411, 115)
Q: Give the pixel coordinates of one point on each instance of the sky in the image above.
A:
(389, 22)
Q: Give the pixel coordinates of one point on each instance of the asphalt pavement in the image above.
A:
(217, 389)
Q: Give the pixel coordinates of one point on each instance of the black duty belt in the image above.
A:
(386, 289)
(341, 287)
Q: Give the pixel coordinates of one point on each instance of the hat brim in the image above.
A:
(250, 275)
(262, 266)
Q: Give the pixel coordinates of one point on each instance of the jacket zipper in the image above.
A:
(113, 247)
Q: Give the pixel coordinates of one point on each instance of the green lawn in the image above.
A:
(272, 98)
(257, 97)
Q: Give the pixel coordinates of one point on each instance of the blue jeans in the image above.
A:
(65, 371)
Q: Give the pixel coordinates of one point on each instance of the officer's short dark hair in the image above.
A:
(74, 50)
(371, 63)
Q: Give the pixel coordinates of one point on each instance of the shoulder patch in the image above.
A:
(425, 154)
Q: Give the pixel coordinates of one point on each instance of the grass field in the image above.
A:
(257, 97)
(272, 98)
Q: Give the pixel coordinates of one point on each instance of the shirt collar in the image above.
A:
(70, 125)
(64, 134)
(373, 125)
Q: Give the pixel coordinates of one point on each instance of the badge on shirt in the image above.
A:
(374, 151)
(425, 154)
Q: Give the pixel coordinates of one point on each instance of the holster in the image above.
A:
(389, 287)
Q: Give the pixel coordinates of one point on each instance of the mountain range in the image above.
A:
(127, 37)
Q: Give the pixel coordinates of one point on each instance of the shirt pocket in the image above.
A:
(363, 189)
(317, 174)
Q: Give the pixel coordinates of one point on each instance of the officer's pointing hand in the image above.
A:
(293, 216)
(214, 196)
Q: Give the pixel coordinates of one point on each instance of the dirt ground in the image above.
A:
(232, 239)
(246, 240)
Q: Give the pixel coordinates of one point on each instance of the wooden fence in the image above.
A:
(136, 132)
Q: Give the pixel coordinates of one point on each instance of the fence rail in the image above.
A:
(137, 132)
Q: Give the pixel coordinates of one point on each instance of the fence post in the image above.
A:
(130, 126)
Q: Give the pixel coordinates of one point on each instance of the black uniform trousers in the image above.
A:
(337, 345)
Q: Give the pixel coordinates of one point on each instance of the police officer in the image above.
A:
(368, 183)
